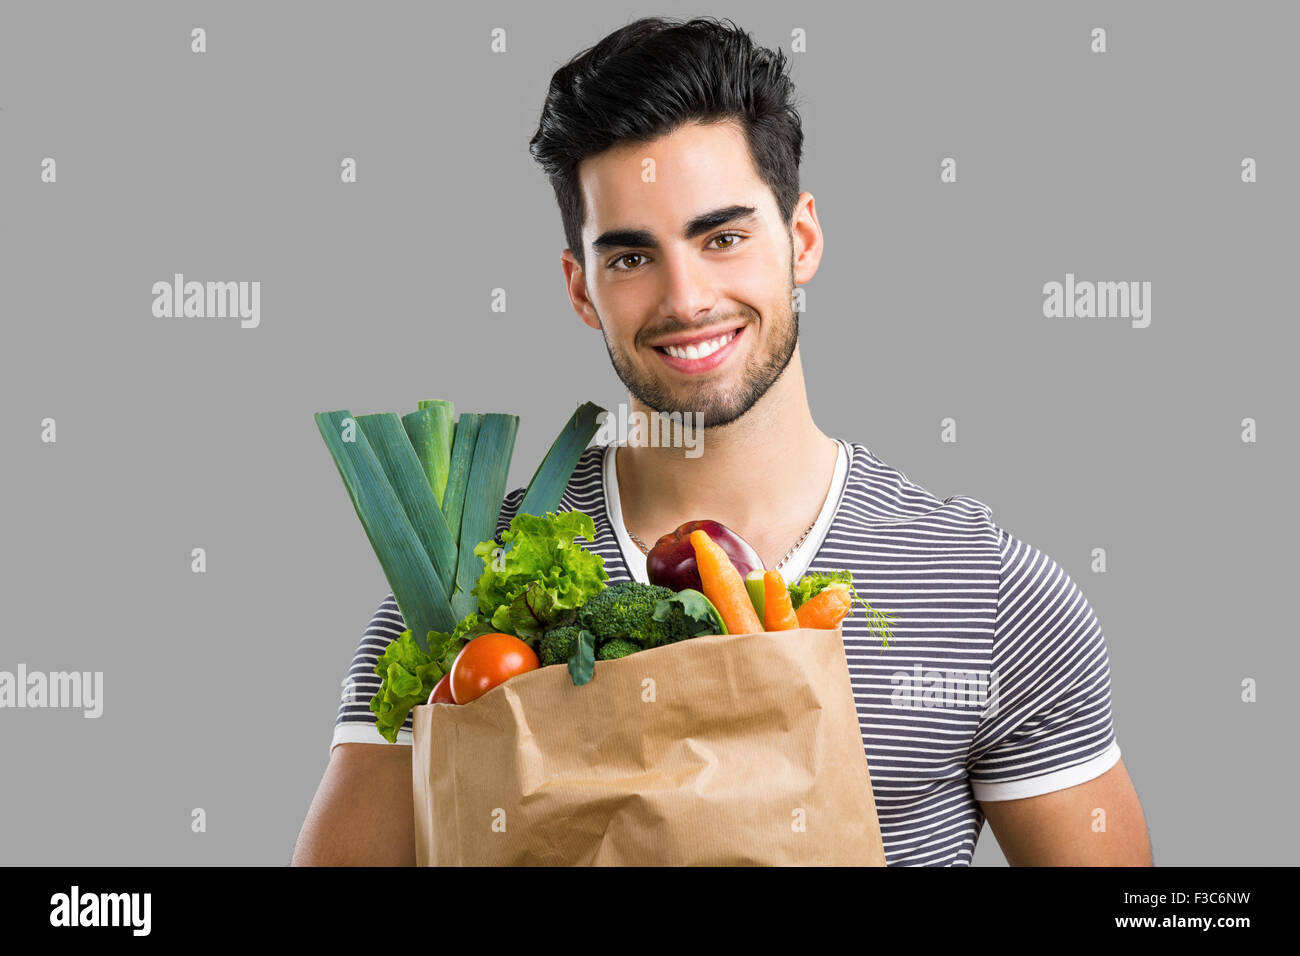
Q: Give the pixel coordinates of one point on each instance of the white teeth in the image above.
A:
(701, 349)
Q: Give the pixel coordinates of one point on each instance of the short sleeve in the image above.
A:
(1047, 725)
(356, 722)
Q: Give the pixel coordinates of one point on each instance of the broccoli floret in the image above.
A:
(625, 610)
(618, 647)
(557, 644)
(689, 614)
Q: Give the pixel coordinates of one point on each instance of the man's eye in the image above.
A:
(614, 264)
(627, 255)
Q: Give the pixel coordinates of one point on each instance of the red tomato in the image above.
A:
(442, 693)
(486, 661)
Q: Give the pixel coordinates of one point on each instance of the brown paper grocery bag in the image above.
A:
(726, 750)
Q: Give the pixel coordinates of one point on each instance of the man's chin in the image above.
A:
(678, 396)
(712, 399)
(707, 405)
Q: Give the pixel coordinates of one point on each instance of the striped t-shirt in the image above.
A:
(995, 684)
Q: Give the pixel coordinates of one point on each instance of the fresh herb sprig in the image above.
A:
(815, 582)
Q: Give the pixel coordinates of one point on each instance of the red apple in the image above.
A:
(671, 562)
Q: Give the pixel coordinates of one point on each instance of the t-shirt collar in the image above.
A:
(792, 570)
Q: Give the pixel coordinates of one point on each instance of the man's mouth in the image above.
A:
(702, 355)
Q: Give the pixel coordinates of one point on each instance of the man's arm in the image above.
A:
(363, 813)
(1062, 828)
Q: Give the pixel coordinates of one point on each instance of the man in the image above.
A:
(673, 152)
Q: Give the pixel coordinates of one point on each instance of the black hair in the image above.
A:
(652, 76)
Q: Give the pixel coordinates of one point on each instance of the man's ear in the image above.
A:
(806, 241)
(575, 281)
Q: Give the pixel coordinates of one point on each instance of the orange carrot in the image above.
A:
(723, 585)
(778, 613)
(826, 609)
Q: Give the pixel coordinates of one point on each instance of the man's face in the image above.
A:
(696, 310)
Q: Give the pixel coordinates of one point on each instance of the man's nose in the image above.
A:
(688, 285)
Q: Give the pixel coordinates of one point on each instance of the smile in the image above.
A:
(700, 356)
(701, 350)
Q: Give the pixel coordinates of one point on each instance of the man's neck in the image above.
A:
(765, 475)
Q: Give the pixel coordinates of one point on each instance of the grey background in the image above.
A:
(221, 688)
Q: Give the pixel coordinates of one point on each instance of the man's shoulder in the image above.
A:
(881, 499)
(880, 493)
(585, 485)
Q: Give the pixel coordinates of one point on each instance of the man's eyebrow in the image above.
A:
(642, 239)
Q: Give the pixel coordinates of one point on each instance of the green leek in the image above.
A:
(393, 449)
(552, 476)
(486, 491)
(429, 431)
(405, 563)
(462, 456)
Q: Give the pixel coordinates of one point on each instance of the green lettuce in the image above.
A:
(540, 575)
(815, 582)
(409, 675)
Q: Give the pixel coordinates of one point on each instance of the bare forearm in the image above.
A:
(363, 812)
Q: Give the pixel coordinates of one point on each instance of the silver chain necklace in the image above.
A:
(795, 547)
